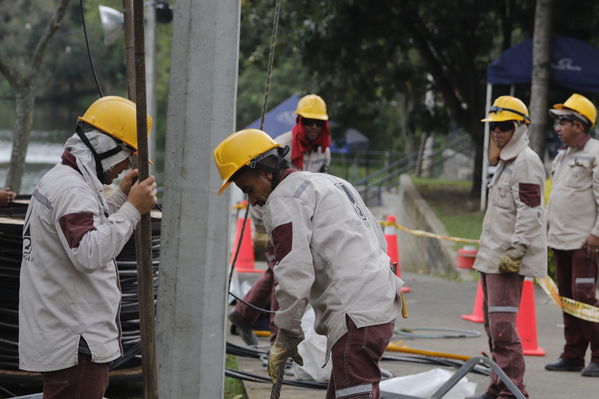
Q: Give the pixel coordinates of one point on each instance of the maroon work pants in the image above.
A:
(261, 294)
(501, 300)
(576, 279)
(86, 380)
(356, 355)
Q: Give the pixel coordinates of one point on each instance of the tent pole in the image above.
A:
(483, 186)
(512, 90)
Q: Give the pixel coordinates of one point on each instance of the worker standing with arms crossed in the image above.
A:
(329, 251)
(309, 141)
(513, 244)
(573, 220)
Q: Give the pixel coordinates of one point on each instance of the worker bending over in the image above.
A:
(309, 141)
(329, 252)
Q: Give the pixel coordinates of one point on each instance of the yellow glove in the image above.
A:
(404, 306)
(277, 358)
(511, 260)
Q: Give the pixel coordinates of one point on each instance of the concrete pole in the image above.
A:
(150, 40)
(192, 284)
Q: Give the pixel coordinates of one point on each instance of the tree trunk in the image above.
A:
(25, 101)
(541, 60)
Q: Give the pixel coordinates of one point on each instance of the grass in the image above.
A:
(453, 205)
(233, 387)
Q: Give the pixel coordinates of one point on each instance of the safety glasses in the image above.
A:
(504, 126)
(310, 122)
(495, 109)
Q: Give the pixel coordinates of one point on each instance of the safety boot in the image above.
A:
(592, 370)
(563, 364)
(245, 330)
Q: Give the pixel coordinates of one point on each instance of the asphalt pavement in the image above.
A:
(435, 302)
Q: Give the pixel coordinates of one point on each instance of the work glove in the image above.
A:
(404, 306)
(511, 260)
(285, 347)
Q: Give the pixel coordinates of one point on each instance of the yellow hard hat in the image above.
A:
(240, 149)
(116, 117)
(580, 104)
(507, 108)
(312, 107)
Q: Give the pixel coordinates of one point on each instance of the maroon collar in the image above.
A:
(69, 159)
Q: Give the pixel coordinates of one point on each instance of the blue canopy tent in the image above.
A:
(278, 120)
(573, 65)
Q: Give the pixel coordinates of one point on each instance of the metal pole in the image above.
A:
(150, 47)
(483, 186)
(129, 48)
(143, 232)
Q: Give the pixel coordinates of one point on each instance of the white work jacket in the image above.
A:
(573, 208)
(69, 284)
(515, 213)
(330, 251)
(314, 161)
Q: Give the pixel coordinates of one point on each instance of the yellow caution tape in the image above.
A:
(421, 233)
(577, 309)
(240, 205)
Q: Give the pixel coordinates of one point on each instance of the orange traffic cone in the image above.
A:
(526, 322)
(477, 315)
(392, 247)
(245, 259)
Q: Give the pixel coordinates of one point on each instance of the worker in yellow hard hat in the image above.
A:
(513, 243)
(573, 219)
(329, 251)
(69, 297)
(309, 142)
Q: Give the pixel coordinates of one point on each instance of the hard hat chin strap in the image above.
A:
(280, 153)
(80, 130)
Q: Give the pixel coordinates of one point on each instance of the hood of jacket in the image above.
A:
(516, 145)
(85, 159)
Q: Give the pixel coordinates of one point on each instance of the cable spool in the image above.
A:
(11, 229)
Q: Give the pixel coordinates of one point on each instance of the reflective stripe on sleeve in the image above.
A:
(341, 393)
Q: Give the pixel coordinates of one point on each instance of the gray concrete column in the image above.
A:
(190, 330)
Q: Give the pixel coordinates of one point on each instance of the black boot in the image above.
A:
(563, 364)
(245, 330)
(592, 370)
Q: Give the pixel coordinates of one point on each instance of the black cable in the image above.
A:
(89, 54)
(245, 219)
(252, 306)
(10, 394)
(446, 333)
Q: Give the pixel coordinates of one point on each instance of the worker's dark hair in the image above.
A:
(274, 163)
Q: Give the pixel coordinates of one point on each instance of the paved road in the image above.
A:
(436, 302)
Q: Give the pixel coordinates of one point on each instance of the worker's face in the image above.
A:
(116, 170)
(502, 132)
(312, 128)
(569, 131)
(257, 186)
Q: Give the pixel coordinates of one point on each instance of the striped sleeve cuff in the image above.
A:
(130, 212)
